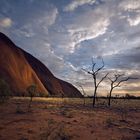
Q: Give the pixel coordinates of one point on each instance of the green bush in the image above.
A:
(32, 91)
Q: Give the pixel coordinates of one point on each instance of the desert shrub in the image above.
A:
(123, 114)
(19, 109)
(109, 122)
(60, 133)
(5, 91)
(128, 96)
(42, 94)
(51, 122)
(55, 131)
(66, 113)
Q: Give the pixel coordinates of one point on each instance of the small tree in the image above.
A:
(5, 91)
(94, 72)
(127, 96)
(116, 83)
(32, 91)
(84, 94)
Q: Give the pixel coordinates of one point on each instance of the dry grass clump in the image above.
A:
(55, 131)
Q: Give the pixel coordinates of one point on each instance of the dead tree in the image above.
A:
(84, 94)
(94, 72)
(116, 83)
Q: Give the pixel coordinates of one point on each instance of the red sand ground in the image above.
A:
(60, 119)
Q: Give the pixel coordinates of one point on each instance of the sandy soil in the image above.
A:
(66, 120)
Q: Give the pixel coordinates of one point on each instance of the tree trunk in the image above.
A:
(30, 103)
(94, 97)
(95, 89)
(109, 99)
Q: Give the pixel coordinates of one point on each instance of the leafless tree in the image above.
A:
(116, 82)
(84, 93)
(94, 72)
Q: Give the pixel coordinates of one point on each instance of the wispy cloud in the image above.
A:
(38, 24)
(132, 7)
(134, 21)
(88, 25)
(76, 3)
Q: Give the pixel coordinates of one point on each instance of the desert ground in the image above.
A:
(69, 119)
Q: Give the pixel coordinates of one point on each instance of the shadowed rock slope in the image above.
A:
(20, 69)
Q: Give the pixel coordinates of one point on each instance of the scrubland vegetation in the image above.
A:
(69, 119)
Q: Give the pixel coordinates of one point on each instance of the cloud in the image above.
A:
(76, 3)
(48, 18)
(31, 18)
(90, 24)
(38, 25)
(134, 21)
(130, 5)
(82, 34)
(132, 8)
(5, 22)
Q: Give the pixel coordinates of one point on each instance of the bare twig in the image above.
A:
(102, 79)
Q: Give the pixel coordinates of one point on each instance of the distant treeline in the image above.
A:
(127, 96)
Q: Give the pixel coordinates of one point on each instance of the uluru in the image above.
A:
(20, 69)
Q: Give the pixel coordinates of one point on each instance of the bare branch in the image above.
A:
(87, 71)
(82, 89)
(118, 84)
(102, 79)
(96, 72)
(117, 76)
(93, 65)
(133, 78)
(110, 79)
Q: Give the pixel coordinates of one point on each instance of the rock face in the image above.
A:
(20, 69)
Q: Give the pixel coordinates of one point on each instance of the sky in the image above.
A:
(67, 34)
